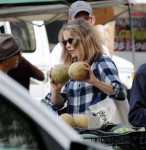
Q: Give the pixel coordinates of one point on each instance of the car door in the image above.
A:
(26, 124)
(19, 132)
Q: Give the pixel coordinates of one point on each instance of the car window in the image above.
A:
(25, 32)
(16, 132)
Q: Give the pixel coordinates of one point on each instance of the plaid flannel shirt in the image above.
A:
(80, 95)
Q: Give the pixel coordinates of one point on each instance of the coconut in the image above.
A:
(59, 73)
(77, 72)
(81, 120)
(68, 119)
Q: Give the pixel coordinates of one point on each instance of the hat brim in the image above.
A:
(16, 51)
(79, 10)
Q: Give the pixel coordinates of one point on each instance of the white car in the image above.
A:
(26, 124)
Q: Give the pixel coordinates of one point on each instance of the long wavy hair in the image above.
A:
(87, 44)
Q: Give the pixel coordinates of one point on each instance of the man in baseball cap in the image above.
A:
(10, 51)
(79, 6)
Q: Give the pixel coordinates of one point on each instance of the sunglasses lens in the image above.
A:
(70, 41)
(64, 43)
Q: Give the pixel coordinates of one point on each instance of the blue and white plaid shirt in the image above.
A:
(80, 95)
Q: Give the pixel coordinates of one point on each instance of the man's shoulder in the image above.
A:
(104, 58)
(106, 50)
(141, 72)
(58, 47)
(142, 68)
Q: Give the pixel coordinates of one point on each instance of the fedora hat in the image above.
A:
(9, 46)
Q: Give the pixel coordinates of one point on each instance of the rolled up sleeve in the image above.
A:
(55, 107)
(109, 74)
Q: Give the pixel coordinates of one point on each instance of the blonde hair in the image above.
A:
(86, 45)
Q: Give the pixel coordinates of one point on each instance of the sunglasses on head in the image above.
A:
(70, 41)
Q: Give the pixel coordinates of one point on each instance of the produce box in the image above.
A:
(130, 140)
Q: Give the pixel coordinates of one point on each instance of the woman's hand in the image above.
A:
(91, 77)
(105, 87)
(55, 86)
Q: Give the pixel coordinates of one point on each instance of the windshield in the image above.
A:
(25, 32)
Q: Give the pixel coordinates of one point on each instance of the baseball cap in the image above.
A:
(79, 6)
(9, 46)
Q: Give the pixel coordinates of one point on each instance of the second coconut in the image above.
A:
(59, 73)
(77, 72)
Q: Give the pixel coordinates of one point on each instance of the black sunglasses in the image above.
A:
(70, 41)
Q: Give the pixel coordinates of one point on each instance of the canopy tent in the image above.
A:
(25, 1)
(43, 9)
(51, 10)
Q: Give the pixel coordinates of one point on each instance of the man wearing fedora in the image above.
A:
(10, 51)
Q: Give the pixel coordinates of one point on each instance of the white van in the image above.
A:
(36, 50)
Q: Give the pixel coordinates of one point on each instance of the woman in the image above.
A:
(80, 43)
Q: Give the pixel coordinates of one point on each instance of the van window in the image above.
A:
(53, 29)
(2, 29)
(25, 32)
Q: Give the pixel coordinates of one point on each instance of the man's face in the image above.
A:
(13, 61)
(84, 15)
